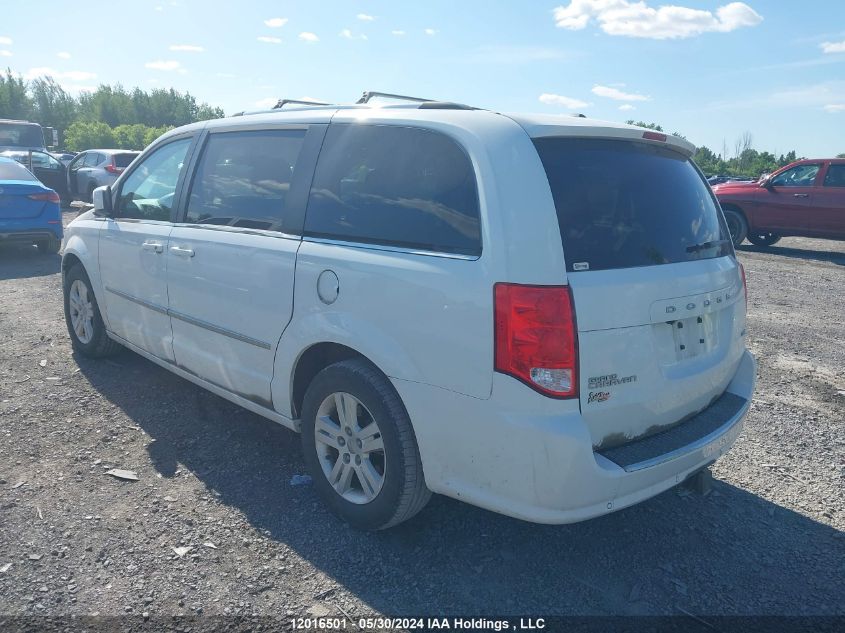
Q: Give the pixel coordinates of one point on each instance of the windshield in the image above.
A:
(21, 135)
(622, 204)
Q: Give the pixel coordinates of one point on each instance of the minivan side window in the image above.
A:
(244, 178)
(395, 186)
(148, 192)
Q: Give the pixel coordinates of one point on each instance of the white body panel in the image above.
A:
(242, 311)
(133, 274)
(231, 295)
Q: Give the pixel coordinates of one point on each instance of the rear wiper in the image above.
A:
(705, 245)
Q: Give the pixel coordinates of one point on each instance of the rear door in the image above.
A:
(231, 259)
(826, 218)
(657, 291)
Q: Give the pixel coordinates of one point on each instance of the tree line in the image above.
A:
(111, 116)
(742, 160)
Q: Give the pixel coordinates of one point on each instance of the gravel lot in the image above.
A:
(217, 480)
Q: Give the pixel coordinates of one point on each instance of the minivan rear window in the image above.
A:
(395, 186)
(624, 204)
(123, 160)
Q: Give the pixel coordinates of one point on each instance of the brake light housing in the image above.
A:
(113, 170)
(536, 338)
(744, 284)
(47, 196)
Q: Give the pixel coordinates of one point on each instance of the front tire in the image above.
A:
(360, 448)
(763, 239)
(737, 225)
(82, 315)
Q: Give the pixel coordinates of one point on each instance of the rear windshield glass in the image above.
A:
(21, 135)
(622, 204)
(10, 170)
(123, 160)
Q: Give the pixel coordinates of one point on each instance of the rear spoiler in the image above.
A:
(586, 128)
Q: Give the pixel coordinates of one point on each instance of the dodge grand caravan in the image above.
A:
(542, 316)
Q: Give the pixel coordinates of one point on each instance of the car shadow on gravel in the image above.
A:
(731, 552)
(22, 262)
(834, 257)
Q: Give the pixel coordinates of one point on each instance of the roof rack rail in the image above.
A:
(283, 102)
(369, 94)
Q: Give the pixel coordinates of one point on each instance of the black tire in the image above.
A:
(89, 197)
(737, 224)
(100, 344)
(49, 247)
(403, 492)
(763, 239)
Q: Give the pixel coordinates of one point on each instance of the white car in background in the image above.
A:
(542, 316)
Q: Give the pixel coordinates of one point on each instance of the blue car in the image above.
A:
(30, 213)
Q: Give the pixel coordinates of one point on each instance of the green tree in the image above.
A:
(83, 135)
(52, 105)
(15, 102)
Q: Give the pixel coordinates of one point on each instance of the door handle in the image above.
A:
(801, 195)
(182, 252)
(155, 247)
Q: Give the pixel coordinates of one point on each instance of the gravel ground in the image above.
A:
(214, 526)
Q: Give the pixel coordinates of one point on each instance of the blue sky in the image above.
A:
(708, 69)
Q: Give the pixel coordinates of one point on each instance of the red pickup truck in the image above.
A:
(805, 198)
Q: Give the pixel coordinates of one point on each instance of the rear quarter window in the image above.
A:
(123, 160)
(395, 186)
(624, 204)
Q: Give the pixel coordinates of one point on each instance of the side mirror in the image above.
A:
(102, 202)
(766, 183)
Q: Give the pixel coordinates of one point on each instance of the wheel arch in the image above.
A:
(311, 362)
(76, 252)
(734, 206)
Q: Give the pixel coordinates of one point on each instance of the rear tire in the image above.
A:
(763, 239)
(737, 224)
(89, 197)
(365, 465)
(87, 336)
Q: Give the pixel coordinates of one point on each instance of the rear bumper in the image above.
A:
(533, 458)
(31, 235)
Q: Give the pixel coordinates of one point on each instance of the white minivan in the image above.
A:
(539, 315)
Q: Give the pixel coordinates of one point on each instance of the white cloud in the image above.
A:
(398, 33)
(275, 23)
(5, 41)
(188, 48)
(834, 108)
(167, 66)
(350, 36)
(638, 19)
(71, 75)
(626, 107)
(269, 40)
(267, 103)
(567, 102)
(430, 31)
(4, 53)
(365, 18)
(618, 95)
(63, 55)
(307, 36)
(833, 47)
(159, 8)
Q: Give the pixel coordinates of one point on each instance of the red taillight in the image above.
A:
(47, 196)
(744, 285)
(113, 170)
(536, 337)
(655, 136)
